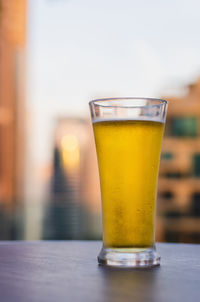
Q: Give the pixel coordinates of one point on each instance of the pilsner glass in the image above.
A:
(128, 135)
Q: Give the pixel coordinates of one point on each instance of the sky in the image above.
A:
(78, 50)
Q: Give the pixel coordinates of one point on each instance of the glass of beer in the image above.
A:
(128, 135)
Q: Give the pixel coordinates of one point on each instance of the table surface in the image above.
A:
(68, 271)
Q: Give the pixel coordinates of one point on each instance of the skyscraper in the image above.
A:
(72, 211)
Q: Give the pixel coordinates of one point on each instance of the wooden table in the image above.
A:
(68, 271)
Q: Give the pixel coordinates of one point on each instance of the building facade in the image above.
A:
(12, 117)
(179, 182)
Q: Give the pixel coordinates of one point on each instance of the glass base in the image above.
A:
(129, 257)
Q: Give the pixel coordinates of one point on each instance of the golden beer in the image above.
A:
(128, 154)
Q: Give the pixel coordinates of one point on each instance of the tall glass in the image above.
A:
(128, 135)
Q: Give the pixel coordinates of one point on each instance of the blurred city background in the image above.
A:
(55, 56)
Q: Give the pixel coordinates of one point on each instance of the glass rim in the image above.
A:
(99, 102)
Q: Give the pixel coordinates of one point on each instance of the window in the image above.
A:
(196, 204)
(166, 195)
(184, 126)
(196, 165)
(167, 155)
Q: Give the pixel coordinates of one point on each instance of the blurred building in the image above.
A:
(73, 206)
(12, 58)
(179, 183)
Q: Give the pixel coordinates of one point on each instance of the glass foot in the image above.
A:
(129, 257)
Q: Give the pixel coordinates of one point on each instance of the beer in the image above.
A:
(128, 154)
